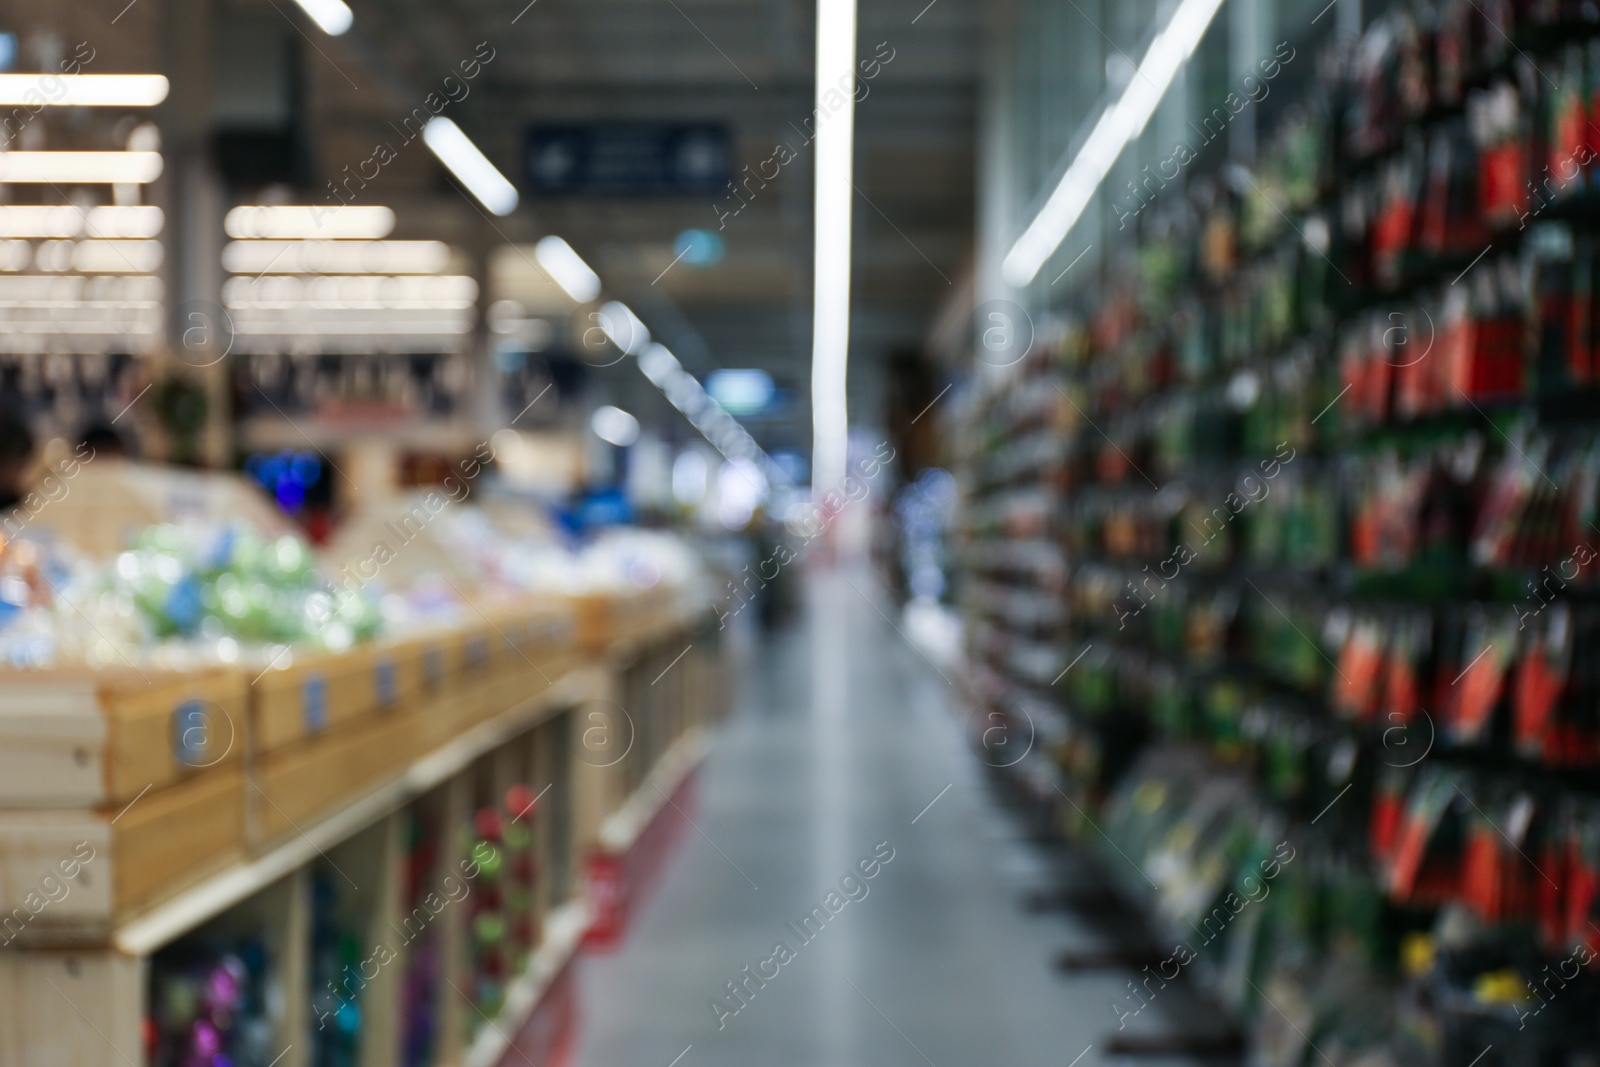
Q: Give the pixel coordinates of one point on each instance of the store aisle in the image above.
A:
(843, 748)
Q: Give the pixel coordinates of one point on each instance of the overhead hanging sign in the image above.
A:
(628, 159)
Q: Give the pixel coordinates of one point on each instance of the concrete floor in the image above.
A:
(844, 738)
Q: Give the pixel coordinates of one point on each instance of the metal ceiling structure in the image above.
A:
(743, 63)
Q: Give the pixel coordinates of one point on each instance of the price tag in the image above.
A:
(386, 682)
(190, 733)
(433, 666)
(314, 704)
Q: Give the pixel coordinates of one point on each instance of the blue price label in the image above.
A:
(314, 704)
(386, 682)
(191, 734)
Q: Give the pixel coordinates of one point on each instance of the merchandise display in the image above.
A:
(209, 1006)
(214, 710)
(1288, 543)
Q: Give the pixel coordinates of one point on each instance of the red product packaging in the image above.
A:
(1541, 678)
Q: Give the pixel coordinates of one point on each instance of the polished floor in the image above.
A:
(843, 747)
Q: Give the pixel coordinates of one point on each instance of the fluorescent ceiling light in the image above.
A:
(457, 152)
(1120, 123)
(364, 291)
(333, 17)
(830, 331)
(335, 257)
(124, 221)
(82, 90)
(659, 365)
(347, 221)
(567, 269)
(614, 426)
(80, 168)
(116, 257)
(623, 327)
(24, 220)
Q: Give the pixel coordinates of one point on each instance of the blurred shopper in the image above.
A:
(17, 452)
(101, 440)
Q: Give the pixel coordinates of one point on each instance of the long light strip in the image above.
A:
(82, 90)
(333, 17)
(312, 222)
(830, 314)
(80, 168)
(335, 257)
(623, 328)
(27, 220)
(468, 163)
(567, 269)
(684, 392)
(1120, 123)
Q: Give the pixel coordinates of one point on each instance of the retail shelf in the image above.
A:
(188, 910)
(623, 828)
(563, 937)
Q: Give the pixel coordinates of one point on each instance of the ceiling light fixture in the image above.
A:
(659, 365)
(333, 17)
(344, 222)
(567, 269)
(614, 426)
(623, 327)
(335, 257)
(80, 168)
(830, 331)
(27, 220)
(1118, 124)
(82, 90)
(468, 163)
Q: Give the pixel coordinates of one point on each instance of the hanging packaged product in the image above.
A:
(1470, 702)
(1425, 860)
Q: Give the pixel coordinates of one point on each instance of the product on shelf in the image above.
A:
(1291, 535)
(208, 1003)
(337, 980)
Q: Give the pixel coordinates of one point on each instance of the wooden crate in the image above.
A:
(609, 619)
(81, 739)
(323, 692)
(312, 693)
(299, 783)
(75, 874)
(594, 619)
(439, 685)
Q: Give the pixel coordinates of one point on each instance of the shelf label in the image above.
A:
(190, 733)
(314, 704)
(386, 682)
(433, 666)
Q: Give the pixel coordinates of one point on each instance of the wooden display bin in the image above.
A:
(386, 704)
(298, 783)
(312, 694)
(84, 739)
(324, 691)
(605, 620)
(68, 877)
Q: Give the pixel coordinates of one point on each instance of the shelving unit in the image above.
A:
(354, 868)
(1259, 555)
